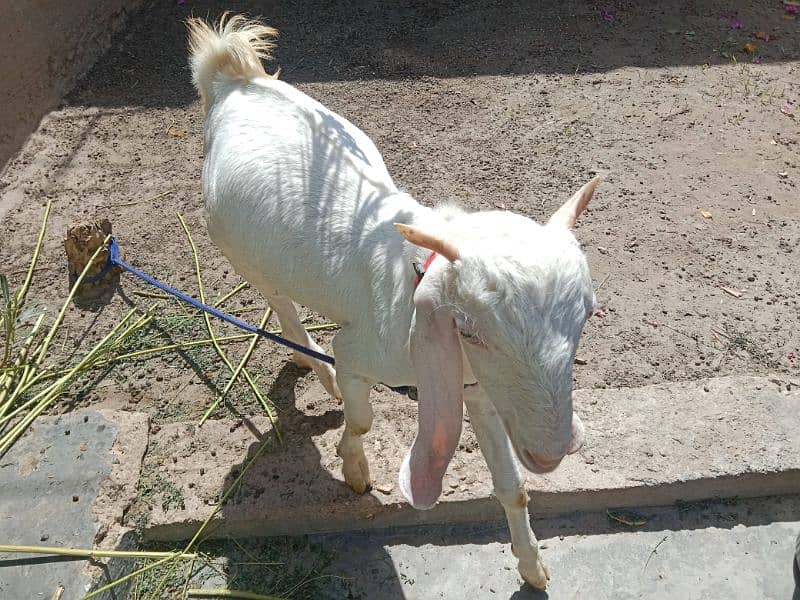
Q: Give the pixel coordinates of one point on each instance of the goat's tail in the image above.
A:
(232, 49)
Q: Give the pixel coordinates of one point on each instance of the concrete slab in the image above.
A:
(741, 551)
(738, 550)
(726, 437)
(66, 483)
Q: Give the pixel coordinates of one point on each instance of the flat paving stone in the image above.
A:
(732, 550)
(735, 551)
(66, 483)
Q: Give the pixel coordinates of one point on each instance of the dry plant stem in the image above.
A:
(210, 329)
(140, 323)
(152, 295)
(48, 395)
(8, 317)
(19, 300)
(125, 578)
(23, 292)
(179, 346)
(226, 593)
(217, 508)
(242, 364)
(45, 397)
(233, 292)
(19, 363)
(227, 296)
(84, 553)
(151, 199)
(226, 495)
(184, 591)
(23, 387)
(43, 376)
(60, 317)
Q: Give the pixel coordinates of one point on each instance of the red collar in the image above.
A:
(424, 268)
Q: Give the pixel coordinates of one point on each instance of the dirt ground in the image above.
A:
(46, 47)
(692, 238)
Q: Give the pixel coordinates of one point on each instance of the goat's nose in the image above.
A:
(538, 464)
(576, 436)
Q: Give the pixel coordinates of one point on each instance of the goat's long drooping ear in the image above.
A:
(568, 214)
(436, 356)
(427, 240)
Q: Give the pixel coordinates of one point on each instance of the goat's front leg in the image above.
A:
(509, 484)
(357, 422)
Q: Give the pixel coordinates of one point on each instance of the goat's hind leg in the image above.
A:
(293, 329)
(509, 484)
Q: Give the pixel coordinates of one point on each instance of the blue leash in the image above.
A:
(115, 261)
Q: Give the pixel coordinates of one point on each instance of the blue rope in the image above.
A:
(115, 260)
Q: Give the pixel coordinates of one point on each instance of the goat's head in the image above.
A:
(514, 296)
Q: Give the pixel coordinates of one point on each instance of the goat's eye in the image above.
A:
(467, 330)
(470, 337)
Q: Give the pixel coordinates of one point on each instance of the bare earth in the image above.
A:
(692, 238)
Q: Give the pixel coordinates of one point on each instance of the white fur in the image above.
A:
(301, 203)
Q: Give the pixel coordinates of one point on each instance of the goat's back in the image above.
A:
(297, 195)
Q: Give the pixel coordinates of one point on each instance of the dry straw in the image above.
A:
(29, 387)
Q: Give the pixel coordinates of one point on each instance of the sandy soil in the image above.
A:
(511, 107)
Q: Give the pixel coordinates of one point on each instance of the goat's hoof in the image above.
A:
(534, 572)
(356, 474)
(327, 377)
(336, 394)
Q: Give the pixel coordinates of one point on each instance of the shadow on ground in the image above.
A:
(300, 567)
(452, 554)
(368, 39)
(288, 567)
(696, 547)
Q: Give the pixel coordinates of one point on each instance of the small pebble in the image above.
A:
(44, 537)
(384, 488)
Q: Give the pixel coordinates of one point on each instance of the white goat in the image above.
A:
(301, 203)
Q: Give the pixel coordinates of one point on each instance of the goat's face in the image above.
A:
(519, 307)
(514, 300)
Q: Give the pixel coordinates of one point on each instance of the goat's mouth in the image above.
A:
(533, 463)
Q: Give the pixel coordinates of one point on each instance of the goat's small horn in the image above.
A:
(428, 240)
